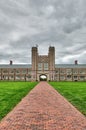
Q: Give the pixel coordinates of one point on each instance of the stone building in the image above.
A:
(43, 67)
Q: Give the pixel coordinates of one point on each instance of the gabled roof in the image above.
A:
(70, 66)
(15, 66)
(56, 66)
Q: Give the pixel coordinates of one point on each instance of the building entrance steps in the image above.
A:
(44, 109)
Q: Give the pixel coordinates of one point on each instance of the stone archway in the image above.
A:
(43, 77)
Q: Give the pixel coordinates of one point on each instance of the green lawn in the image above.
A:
(75, 92)
(11, 93)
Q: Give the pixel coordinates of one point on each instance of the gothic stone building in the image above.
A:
(43, 68)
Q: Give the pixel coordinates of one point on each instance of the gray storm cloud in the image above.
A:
(59, 23)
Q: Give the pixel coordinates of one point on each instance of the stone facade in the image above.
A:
(43, 68)
(43, 64)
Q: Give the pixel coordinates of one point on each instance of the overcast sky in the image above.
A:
(59, 23)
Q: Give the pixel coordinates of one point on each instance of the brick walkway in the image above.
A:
(44, 109)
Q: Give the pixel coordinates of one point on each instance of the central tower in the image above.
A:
(43, 65)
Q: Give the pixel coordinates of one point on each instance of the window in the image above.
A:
(45, 66)
(29, 76)
(29, 71)
(39, 66)
(17, 71)
(69, 71)
(68, 76)
(81, 71)
(5, 71)
(24, 71)
(75, 71)
(17, 77)
(57, 71)
(82, 77)
(62, 71)
(75, 77)
(62, 77)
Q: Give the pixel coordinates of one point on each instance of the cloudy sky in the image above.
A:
(59, 23)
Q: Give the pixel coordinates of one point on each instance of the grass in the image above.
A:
(11, 93)
(74, 92)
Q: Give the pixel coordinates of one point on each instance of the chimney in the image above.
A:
(11, 62)
(76, 62)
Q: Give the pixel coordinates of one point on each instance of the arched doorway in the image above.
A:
(43, 77)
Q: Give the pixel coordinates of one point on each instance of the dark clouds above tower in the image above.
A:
(59, 23)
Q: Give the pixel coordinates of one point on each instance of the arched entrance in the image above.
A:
(43, 77)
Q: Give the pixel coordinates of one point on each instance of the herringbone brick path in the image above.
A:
(44, 109)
